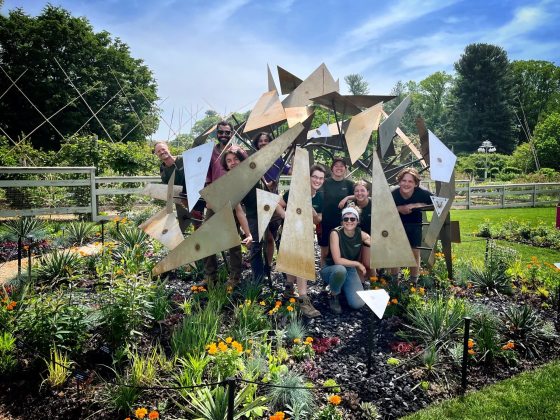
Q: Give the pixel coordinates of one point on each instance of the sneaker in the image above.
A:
(307, 308)
(334, 304)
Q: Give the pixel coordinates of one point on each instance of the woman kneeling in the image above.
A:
(343, 261)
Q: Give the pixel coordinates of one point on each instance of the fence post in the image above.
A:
(468, 195)
(465, 354)
(231, 397)
(534, 194)
(503, 196)
(93, 196)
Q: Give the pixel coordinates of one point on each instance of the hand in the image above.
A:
(361, 268)
(248, 240)
(406, 208)
(342, 203)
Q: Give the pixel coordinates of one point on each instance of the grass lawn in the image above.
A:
(473, 246)
(530, 395)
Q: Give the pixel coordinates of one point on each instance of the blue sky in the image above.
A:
(211, 54)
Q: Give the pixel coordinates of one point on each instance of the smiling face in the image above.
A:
(223, 133)
(231, 160)
(338, 170)
(317, 180)
(407, 185)
(262, 141)
(349, 221)
(361, 193)
(162, 152)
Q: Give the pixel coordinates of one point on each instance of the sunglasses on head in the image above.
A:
(349, 219)
(228, 132)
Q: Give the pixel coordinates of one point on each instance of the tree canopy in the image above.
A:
(119, 88)
(357, 85)
(482, 107)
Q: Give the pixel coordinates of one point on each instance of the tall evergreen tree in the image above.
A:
(483, 100)
(357, 85)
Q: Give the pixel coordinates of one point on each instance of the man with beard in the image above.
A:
(224, 133)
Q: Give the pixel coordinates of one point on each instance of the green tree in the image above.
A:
(482, 106)
(357, 85)
(120, 87)
(432, 100)
(547, 141)
(536, 89)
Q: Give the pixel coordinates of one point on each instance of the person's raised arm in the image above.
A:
(242, 219)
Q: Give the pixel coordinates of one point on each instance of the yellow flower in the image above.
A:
(153, 415)
(413, 290)
(309, 340)
(373, 278)
(141, 412)
(247, 301)
(292, 300)
(222, 346)
(229, 340)
(212, 349)
(290, 308)
(335, 399)
(271, 312)
(262, 303)
(421, 290)
(237, 346)
(297, 341)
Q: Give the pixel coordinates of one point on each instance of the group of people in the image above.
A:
(341, 212)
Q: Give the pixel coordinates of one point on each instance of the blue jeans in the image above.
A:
(256, 252)
(344, 279)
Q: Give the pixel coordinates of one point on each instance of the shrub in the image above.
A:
(79, 232)
(290, 391)
(486, 332)
(524, 326)
(58, 266)
(8, 359)
(197, 330)
(491, 278)
(58, 368)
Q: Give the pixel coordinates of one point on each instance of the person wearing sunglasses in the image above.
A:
(343, 261)
(224, 133)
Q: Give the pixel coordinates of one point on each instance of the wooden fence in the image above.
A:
(31, 191)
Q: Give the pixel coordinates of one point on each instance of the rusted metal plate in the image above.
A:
(288, 82)
(163, 226)
(389, 243)
(266, 204)
(388, 128)
(318, 83)
(296, 255)
(267, 111)
(235, 184)
(336, 102)
(360, 129)
(215, 235)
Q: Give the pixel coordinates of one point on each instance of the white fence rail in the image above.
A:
(31, 191)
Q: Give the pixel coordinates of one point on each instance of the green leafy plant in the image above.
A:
(290, 389)
(58, 368)
(126, 308)
(59, 265)
(23, 227)
(191, 371)
(486, 332)
(131, 236)
(249, 319)
(524, 326)
(295, 329)
(77, 233)
(196, 331)
(369, 411)
(226, 358)
(436, 323)
(491, 278)
(212, 404)
(8, 359)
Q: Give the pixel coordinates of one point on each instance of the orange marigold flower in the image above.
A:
(290, 308)
(153, 415)
(141, 412)
(472, 352)
(128, 418)
(279, 415)
(292, 300)
(229, 340)
(394, 301)
(470, 343)
(309, 340)
(373, 278)
(297, 340)
(335, 399)
(413, 290)
(237, 346)
(421, 290)
(278, 303)
(212, 349)
(222, 346)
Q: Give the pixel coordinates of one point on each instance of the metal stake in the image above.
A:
(465, 354)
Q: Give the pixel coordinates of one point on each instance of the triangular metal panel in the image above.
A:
(296, 255)
(163, 226)
(271, 84)
(388, 128)
(442, 160)
(318, 83)
(288, 82)
(367, 101)
(235, 184)
(267, 111)
(266, 204)
(196, 162)
(297, 114)
(159, 191)
(359, 131)
(215, 235)
(389, 243)
(336, 102)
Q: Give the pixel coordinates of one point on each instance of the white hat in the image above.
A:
(351, 210)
